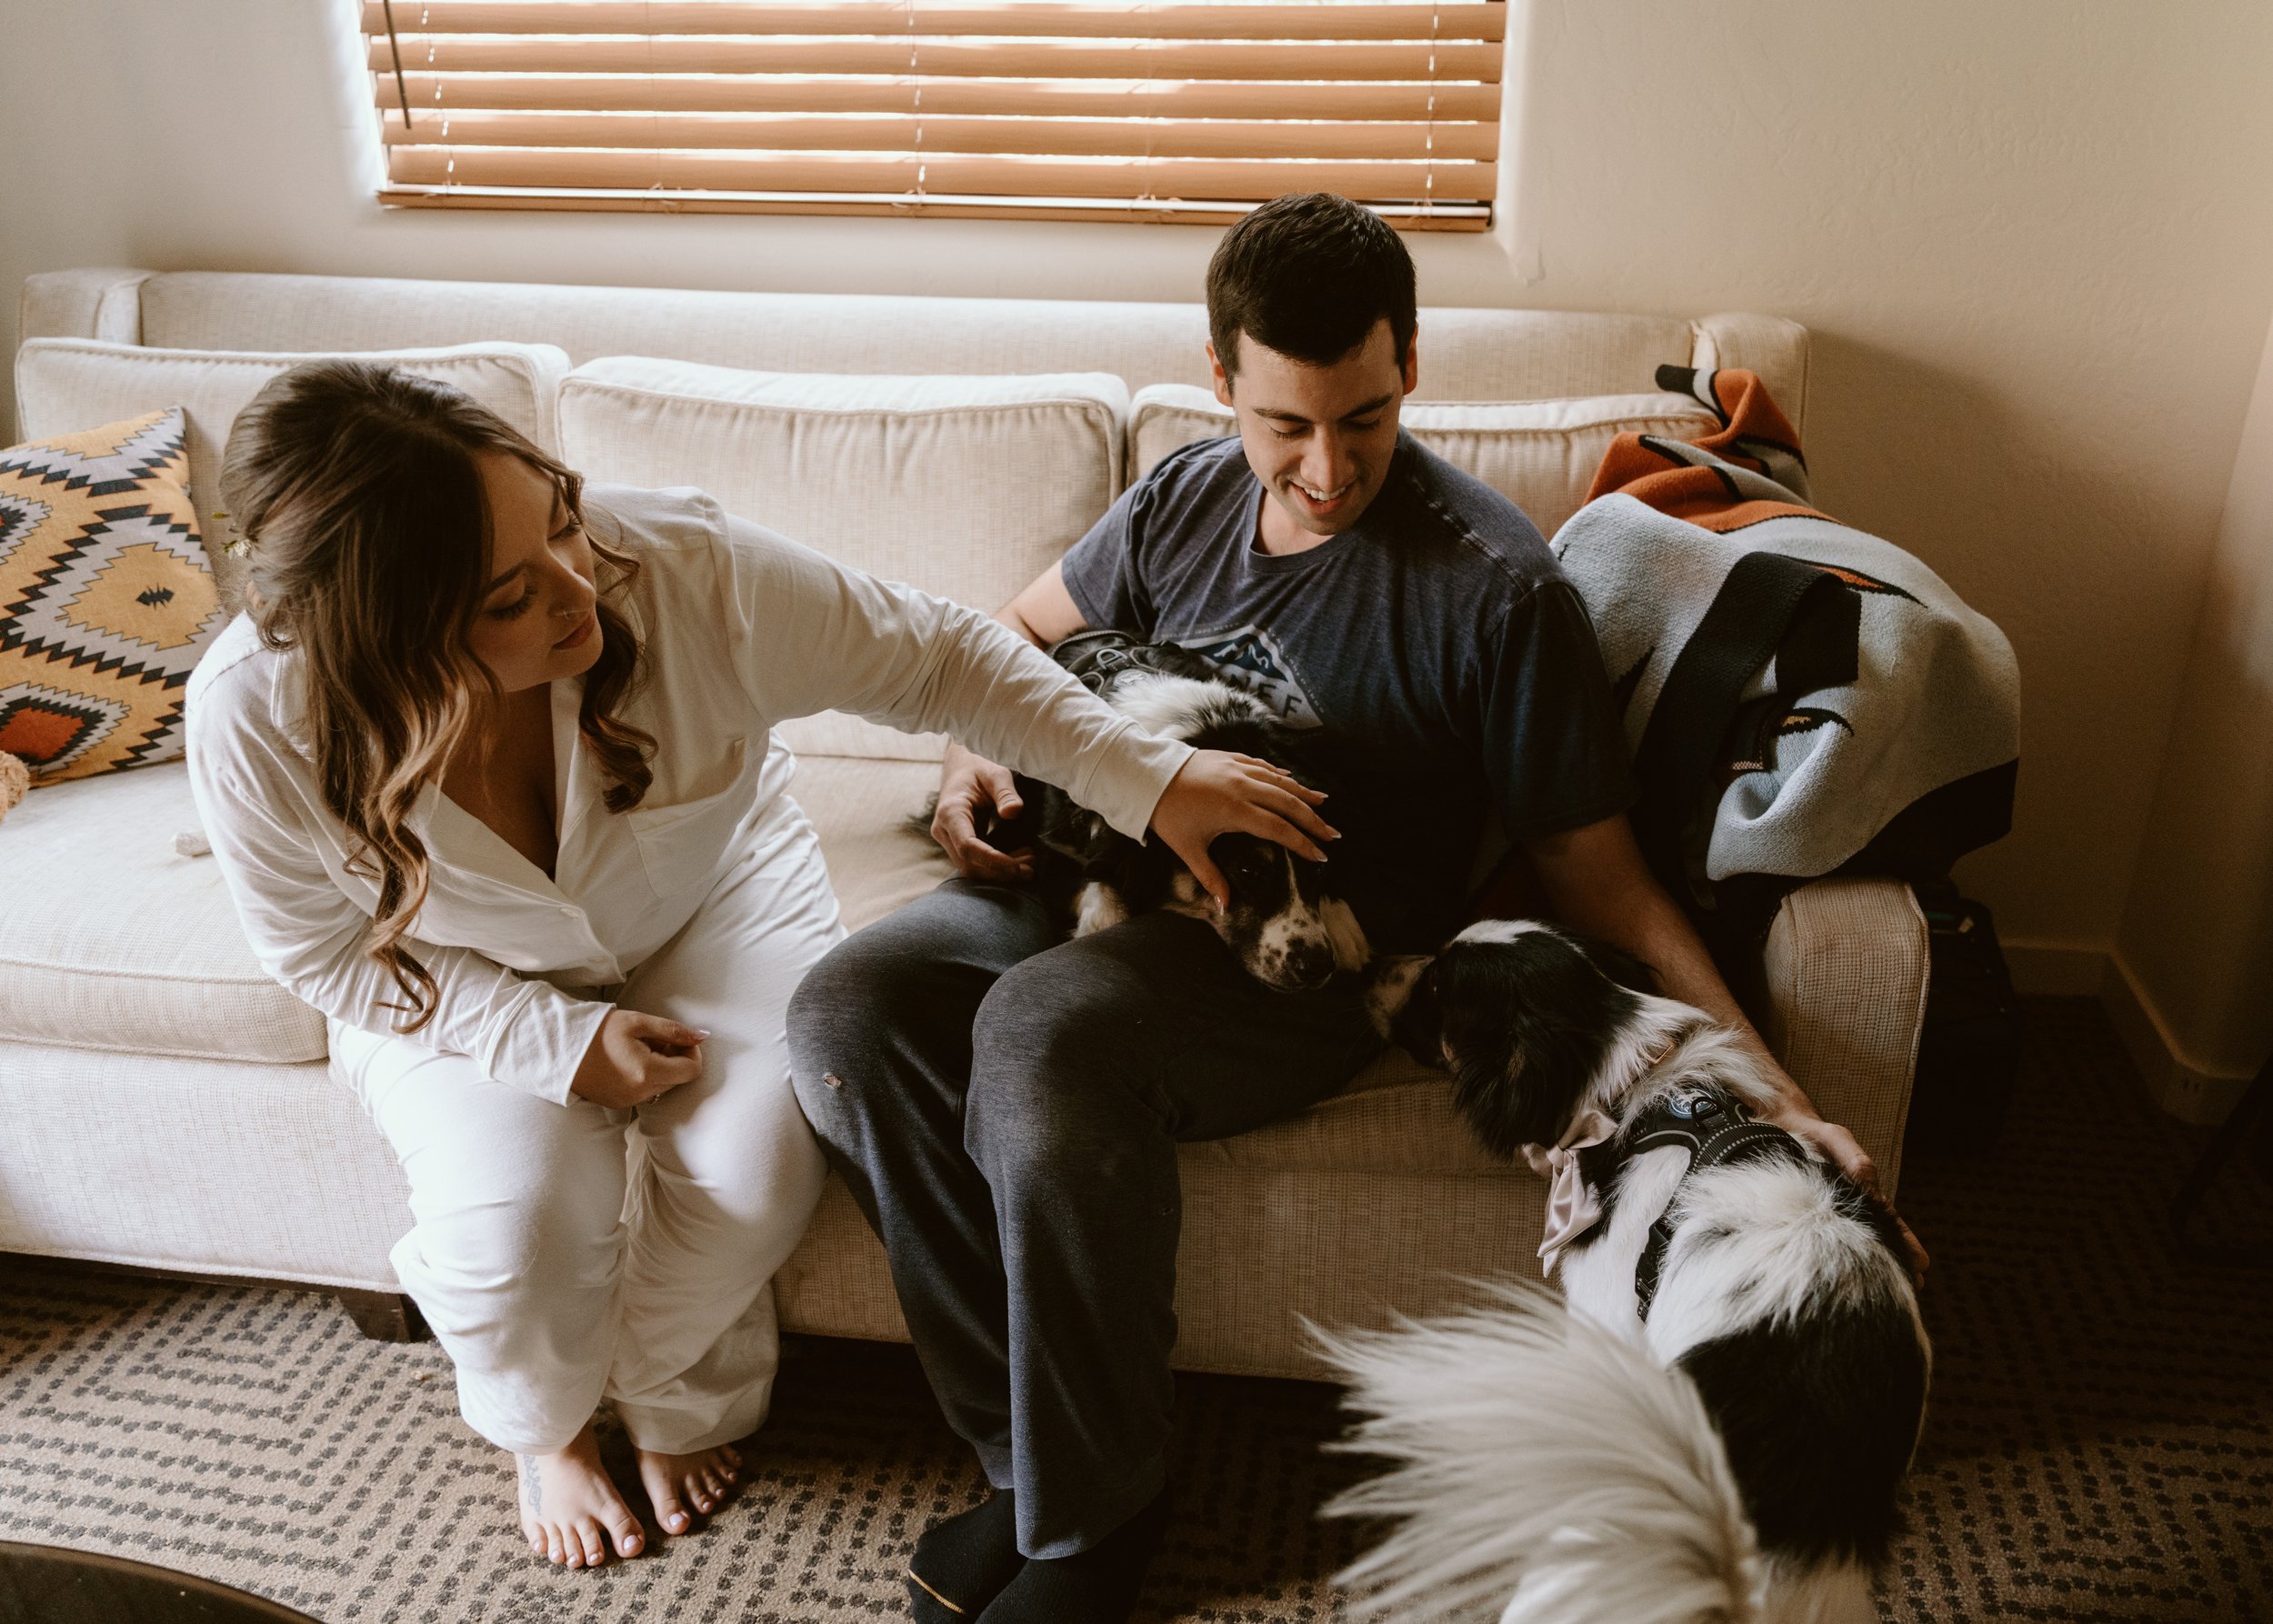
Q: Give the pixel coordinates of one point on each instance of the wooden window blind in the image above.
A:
(1063, 109)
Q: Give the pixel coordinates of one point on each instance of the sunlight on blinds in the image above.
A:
(1065, 109)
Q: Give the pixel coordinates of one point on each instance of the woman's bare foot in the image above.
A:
(675, 1482)
(570, 1509)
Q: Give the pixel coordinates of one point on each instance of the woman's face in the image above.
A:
(536, 623)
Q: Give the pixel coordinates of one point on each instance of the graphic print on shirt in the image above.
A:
(1250, 659)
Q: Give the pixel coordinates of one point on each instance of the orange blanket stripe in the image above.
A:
(1702, 496)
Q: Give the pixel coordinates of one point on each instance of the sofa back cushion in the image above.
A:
(965, 486)
(1466, 354)
(67, 385)
(1541, 455)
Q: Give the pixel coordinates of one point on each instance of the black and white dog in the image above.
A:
(1719, 1430)
(1285, 925)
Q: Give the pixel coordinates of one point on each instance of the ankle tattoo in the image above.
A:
(531, 1486)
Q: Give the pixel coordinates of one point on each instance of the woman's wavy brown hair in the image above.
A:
(355, 486)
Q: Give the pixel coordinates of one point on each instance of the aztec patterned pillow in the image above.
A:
(105, 599)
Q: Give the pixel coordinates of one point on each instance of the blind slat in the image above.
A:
(1188, 138)
(1111, 19)
(1405, 217)
(1322, 61)
(430, 93)
(944, 172)
(1086, 109)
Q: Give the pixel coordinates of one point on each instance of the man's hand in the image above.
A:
(1799, 1119)
(1218, 793)
(1597, 883)
(634, 1059)
(970, 788)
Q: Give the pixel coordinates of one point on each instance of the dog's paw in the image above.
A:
(1389, 984)
(1100, 908)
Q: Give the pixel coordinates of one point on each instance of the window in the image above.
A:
(1056, 109)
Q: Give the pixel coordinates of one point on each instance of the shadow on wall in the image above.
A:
(1986, 493)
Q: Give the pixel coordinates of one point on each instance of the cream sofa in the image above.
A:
(168, 1108)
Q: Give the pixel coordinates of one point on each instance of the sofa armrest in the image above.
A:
(83, 304)
(1842, 997)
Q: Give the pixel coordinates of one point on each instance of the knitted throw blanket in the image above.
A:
(1800, 697)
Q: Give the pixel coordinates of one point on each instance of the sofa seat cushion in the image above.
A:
(860, 805)
(111, 940)
(1396, 1117)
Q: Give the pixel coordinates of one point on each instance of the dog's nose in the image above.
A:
(1309, 965)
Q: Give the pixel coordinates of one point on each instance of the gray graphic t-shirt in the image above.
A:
(1449, 665)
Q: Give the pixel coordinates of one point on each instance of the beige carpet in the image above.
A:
(2100, 1446)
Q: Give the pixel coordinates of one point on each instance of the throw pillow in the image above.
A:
(105, 599)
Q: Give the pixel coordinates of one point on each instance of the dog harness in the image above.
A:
(1716, 1131)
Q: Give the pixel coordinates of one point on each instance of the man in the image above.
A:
(1006, 1107)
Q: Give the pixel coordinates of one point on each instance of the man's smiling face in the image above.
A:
(1320, 438)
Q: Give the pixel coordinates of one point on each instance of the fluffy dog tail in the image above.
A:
(1544, 1472)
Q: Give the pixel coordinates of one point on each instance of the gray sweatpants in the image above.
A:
(1005, 1107)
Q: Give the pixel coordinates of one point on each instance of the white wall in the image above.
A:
(2196, 951)
(2032, 239)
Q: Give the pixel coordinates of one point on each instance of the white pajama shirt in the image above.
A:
(562, 1252)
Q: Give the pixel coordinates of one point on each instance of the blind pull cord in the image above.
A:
(395, 47)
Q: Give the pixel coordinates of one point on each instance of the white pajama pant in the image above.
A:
(567, 1254)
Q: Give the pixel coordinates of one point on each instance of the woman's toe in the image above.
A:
(554, 1549)
(625, 1531)
(671, 1515)
(594, 1541)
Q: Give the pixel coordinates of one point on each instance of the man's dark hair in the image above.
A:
(1309, 275)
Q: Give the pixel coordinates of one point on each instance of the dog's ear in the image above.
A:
(1524, 1035)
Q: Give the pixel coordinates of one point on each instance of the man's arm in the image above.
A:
(1599, 884)
(970, 785)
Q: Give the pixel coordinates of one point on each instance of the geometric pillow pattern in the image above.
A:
(106, 600)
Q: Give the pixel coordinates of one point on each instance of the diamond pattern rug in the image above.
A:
(2100, 1444)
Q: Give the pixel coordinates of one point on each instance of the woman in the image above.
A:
(486, 769)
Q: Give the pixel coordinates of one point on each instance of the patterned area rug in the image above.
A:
(2100, 1445)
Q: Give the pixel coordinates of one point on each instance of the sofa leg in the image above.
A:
(382, 1316)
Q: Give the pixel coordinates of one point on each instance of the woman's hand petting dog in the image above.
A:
(634, 1059)
(1216, 793)
(1219, 793)
(972, 789)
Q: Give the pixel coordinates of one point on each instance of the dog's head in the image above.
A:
(1284, 927)
(1527, 1017)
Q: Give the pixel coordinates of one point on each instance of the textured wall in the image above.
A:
(2032, 240)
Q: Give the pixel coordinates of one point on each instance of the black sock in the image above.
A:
(962, 1562)
(1099, 1586)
